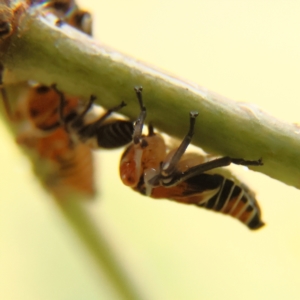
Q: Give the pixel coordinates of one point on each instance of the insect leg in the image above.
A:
(216, 163)
(109, 112)
(241, 161)
(138, 127)
(150, 129)
(170, 166)
(62, 102)
(87, 108)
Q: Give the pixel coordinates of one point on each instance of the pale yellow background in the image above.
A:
(247, 50)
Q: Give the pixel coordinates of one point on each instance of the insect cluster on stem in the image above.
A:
(57, 127)
(63, 132)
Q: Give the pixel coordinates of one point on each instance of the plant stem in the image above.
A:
(94, 239)
(41, 51)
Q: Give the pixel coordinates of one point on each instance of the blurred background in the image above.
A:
(245, 50)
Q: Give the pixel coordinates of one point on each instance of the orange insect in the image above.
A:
(9, 13)
(6, 26)
(63, 131)
(59, 129)
(147, 167)
(68, 166)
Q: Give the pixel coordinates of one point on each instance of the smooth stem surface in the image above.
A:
(41, 51)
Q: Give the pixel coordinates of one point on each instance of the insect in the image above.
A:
(6, 27)
(63, 133)
(147, 167)
(64, 166)
(58, 128)
(9, 14)
(93, 130)
(68, 11)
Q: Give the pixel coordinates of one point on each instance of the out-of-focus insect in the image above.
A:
(65, 10)
(66, 165)
(6, 19)
(64, 132)
(147, 167)
(68, 11)
(9, 14)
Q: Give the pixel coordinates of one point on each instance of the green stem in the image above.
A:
(41, 51)
(97, 244)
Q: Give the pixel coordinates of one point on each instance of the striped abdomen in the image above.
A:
(111, 135)
(215, 192)
(115, 134)
(234, 200)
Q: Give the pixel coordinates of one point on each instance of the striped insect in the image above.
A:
(96, 131)
(149, 168)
